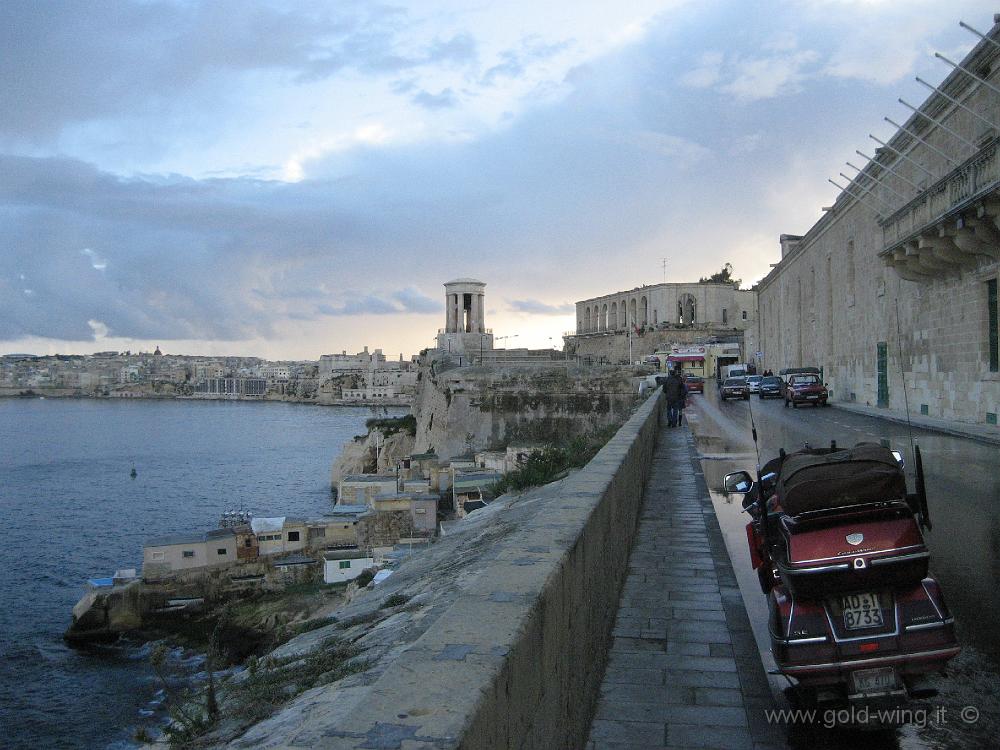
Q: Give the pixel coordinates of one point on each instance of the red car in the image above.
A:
(805, 389)
(694, 383)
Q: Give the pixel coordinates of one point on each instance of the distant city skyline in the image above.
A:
(287, 180)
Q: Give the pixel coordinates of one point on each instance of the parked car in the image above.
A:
(694, 383)
(770, 387)
(804, 389)
(753, 381)
(735, 388)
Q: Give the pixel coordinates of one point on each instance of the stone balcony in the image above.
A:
(953, 224)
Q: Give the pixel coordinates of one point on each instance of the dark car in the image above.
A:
(770, 387)
(735, 388)
(694, 383)
(805, 389)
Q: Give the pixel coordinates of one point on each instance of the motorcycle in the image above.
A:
(854, 617)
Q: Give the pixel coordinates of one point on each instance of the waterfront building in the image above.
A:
(169, 554)
(280, 534)
(340, 566)
(361, 489)
(334, 365)
(234, 387)
(893, 292)
(421, 507)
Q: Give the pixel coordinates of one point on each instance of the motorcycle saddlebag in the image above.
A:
(811, 481)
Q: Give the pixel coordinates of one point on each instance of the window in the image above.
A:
(744, 315)
(188, 553)
(248, 542)
(991, 295)
(725, 315)
(157, 556)
(221, 550)
(345, 564)
(293, 536)
(421, 510)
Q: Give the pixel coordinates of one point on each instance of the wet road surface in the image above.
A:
(963, 488)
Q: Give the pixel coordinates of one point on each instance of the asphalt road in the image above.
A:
(963, 486)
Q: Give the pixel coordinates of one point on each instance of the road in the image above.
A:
(963, 486)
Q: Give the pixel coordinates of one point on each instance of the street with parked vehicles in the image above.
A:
(962, 486)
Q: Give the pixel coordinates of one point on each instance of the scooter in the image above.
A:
(836, 540)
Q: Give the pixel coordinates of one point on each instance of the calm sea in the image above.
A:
(70, 511)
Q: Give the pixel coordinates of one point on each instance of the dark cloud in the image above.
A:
(536, 307)
(73, 61)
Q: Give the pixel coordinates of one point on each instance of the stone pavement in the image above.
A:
(984, 433)
(683, 666)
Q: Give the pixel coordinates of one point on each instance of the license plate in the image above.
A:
(874, 680)
(861, 611)
(812, 397)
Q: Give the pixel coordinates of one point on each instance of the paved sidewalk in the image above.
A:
(985, 433)
(683, 667)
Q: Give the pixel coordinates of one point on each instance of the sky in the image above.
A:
(290, 179)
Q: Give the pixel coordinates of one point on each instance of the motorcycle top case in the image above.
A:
(817, 481)
(866, 548)
(845, 524)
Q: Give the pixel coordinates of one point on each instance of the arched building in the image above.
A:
(668, 306)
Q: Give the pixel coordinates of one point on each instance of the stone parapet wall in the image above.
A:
(613, 346)
(503, 635)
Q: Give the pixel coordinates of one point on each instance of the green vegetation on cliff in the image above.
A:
(391, 425)
(552, 462)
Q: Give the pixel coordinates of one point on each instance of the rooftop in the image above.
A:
(369, 478)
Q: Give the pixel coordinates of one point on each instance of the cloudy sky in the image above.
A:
(288, 179)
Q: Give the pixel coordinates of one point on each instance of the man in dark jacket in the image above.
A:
(675, 392)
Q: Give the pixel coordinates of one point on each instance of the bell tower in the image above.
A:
(465, 321)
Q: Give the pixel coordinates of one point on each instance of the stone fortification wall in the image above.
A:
(895, 286)
(471, 408)
(612, 346)
(495, 635)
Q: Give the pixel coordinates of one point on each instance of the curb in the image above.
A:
(919, 424)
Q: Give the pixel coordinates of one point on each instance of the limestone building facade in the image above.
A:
(668, 305)
(896, 285)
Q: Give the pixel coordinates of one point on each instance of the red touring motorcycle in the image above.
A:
(837, 544)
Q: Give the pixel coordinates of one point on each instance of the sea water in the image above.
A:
(69, 511)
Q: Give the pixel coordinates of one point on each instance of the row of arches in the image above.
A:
(617, 316)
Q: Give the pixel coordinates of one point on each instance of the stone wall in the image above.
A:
(613, 346)
(471, 408)
(905, 267)
(499, 631)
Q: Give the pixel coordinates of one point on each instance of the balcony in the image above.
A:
(951, 225)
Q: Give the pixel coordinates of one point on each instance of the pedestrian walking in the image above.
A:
(675, 392)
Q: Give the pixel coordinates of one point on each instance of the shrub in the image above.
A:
(391, 425)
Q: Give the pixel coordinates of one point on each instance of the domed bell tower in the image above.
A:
(465, 324)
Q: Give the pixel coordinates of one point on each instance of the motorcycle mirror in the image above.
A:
(738, 482)
(899, 459)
